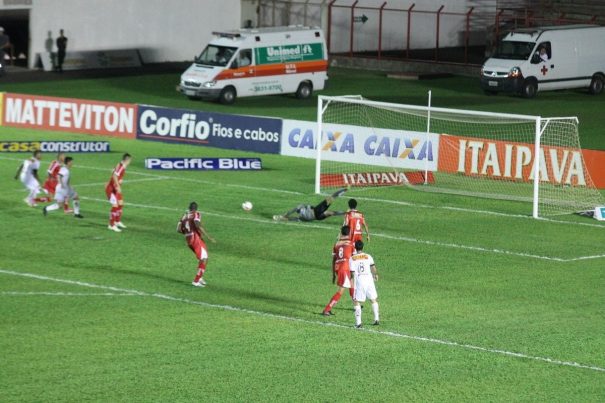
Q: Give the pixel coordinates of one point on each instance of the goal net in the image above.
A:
(371, 145)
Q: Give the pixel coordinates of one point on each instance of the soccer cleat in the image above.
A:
(198, 284)
(120, 225)
(278, 217)
(44, 212)
(360, 326)
(68, 211)
(201, 281)
(78, 216)
(114, 228)
(30, 203)
(376, 323)
(327, 313)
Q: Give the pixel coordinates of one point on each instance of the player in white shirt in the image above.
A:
(28, 174)
(364, 272)
(65, 191)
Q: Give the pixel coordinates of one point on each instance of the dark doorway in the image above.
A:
(16, 26)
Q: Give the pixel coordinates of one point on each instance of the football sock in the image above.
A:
(357, 314)
(65, 206)
(339, 193)
(76, 206)
(201, 268)
(54, 206)
(333, 301)
(375, 310)
(112, 216)
(32, 195)
(119, 214)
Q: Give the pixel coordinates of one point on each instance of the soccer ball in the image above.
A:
(247, 206)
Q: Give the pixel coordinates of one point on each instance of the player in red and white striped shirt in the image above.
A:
(341, 276)
(190, 225)
(357, 222)
(50, 185)
(113, 190)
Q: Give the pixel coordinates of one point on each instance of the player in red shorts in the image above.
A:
(50, 185)
(356, 221)
(342, 251)
(113, 190)
(190, 225)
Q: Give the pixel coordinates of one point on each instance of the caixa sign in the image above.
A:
(204, 164)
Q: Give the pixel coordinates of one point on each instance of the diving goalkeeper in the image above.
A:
(307, 212)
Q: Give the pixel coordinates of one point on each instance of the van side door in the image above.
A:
(243, 71)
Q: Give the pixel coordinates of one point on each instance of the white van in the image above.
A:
(263, 61)
(547, 58)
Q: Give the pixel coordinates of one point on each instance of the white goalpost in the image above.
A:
(378, 145)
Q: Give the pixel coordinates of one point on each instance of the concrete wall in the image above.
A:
(163, 30)
(394, 25)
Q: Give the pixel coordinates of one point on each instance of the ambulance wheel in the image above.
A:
(530, 88)
(227, 96)
(304, 90)
(596, 85)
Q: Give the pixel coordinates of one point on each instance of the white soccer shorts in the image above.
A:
(31, 183)
(62, 195)
(365, 289)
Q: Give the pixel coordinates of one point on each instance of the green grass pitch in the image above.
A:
(475, 306)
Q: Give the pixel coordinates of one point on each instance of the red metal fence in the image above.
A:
(490, 29)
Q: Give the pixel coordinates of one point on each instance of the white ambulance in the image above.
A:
(547, 58)
(263, 61)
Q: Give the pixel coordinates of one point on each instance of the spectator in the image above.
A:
(5, 44)
(61, 47)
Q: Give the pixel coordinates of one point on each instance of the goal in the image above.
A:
(368, 144)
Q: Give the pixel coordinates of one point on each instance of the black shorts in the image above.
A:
(320, 210)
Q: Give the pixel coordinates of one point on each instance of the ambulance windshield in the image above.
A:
(215, 55)
(514, 50)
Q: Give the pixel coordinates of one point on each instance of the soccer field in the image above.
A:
(478, 301)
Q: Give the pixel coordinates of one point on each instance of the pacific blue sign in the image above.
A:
(204, 164)
(234, 132)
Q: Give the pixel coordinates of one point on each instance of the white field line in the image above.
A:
(449, 343)
(105, 183)
(66, 294)
(386, 201)
(131, 171)
(379, 235)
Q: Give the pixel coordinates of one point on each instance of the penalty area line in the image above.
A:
(393, 334)
(378, 235)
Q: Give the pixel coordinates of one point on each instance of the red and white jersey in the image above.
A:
(53, 169)
(341, 253)
(187, 225)
(119, 172)
(355, 220)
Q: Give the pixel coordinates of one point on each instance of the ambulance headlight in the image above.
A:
(209, 84)
(515, 72)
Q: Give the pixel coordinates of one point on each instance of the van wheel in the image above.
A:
(227, 96)
(596, 85)
(530, 88)
(304, 90)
